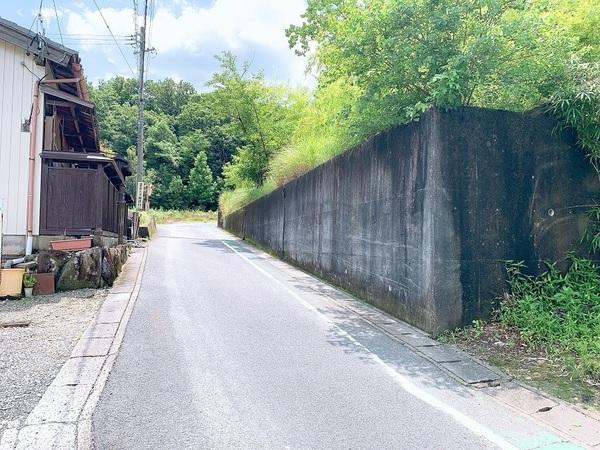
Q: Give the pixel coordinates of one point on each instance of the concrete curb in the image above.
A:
(63, 417)
(569, 421)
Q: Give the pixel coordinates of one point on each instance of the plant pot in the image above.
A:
(28, 292)
(70, 245)
(11, 282)
(45, 283)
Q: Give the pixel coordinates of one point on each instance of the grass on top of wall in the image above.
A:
(233, 200)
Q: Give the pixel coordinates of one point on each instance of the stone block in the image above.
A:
(443, 353)
(56, 436)
(101, 330)
(471, 372)
(60, 404)
(92, 347)
(81, 370)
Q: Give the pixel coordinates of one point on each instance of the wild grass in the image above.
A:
(325, 130)
(163, 216)
(559, 312)
(232, 200)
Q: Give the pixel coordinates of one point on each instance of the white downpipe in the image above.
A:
(29, 245)
(35, 111)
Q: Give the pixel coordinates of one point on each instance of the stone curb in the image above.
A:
(62, 419)
(571, 422)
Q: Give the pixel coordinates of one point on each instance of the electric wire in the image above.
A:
(58, 23)
(113, 36)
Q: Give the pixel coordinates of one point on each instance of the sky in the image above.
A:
(186, 34)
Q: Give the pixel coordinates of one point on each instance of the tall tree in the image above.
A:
(201, 184)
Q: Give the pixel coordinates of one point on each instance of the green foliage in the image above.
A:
(29, 280)
(389, 61)
(170, 193)
(180, 125)
(264, 117)
(444, 53)
(201, 185)
(116, 108)
(163, 216)
(379, 63)
(592, 233)
(167, 96)
(559, 312)
(577, 101)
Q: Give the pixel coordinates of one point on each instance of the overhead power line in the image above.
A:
(58, 23)
(114, 39)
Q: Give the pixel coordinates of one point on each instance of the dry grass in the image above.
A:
(163, 216)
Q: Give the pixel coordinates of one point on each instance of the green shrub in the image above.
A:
(559, 312)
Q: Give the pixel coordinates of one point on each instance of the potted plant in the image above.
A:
(29, 282)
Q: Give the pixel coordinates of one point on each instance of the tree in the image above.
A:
(168, 195)
(408, 55)
(203, 123)
(201, 184)
(116, 107)
(264, 117)
(167, 96)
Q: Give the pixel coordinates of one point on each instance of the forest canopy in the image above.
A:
(378, 63)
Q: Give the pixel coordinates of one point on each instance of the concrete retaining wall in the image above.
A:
(419, 219)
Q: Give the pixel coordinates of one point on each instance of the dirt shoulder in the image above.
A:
(31, 356)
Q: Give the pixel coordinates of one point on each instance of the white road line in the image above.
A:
(404, 382)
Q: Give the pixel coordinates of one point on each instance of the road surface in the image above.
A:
(230, 348)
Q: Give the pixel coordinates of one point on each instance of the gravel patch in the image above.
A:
(30, 357)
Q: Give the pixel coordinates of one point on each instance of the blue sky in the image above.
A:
(185, 33)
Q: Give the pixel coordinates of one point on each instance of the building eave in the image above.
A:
(37, 45)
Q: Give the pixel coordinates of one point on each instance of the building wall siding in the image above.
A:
(16, 91)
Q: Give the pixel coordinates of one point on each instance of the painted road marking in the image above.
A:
(406, 384)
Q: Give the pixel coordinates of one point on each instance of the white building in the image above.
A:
(49, 147)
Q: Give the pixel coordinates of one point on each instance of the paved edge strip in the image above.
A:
(65, 421)
(84, 424)
(570, 421)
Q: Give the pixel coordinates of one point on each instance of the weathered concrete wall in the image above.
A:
(419, 219)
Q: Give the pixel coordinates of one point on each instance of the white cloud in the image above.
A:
(89, 23)
(180, 26)
(235, 23)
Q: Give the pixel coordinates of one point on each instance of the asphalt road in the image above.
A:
(230, 348)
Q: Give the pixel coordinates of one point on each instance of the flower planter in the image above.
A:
(28, 292)
(70, 245)
(11, 282)
(45, 283)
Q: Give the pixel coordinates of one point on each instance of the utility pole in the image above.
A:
(140, 124)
